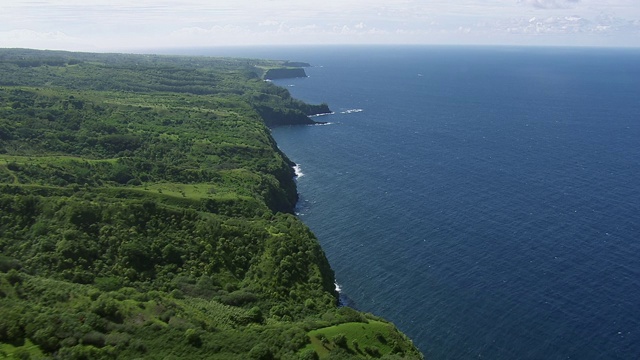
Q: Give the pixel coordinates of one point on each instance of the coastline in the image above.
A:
(230, 241)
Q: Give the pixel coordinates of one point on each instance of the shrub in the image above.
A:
(356, 345)
(69, 342)
(138, 346)
(110, 283)
(348, 314)
(309, 354)
(8, 264)
(193, 337)
(238, 298)
(107, 307)
(340, 340)
(14, 277)
(260, 352)
(80, 352)
(22, 354)
(94, 338)
(11, 330)
(310, 304)
(255, 315)
(372, 351)
(381, 337)
(177, 294)
(323, 339)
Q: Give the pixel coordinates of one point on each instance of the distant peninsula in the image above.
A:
(284, 70)
(284, 73)
(146, 212)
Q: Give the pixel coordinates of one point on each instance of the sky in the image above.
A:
(126, 25)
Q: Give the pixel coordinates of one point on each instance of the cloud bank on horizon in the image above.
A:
(111, 25)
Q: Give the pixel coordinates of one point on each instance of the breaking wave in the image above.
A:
(351, 111)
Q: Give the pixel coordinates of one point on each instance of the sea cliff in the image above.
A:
(146, 210)
(284, 73)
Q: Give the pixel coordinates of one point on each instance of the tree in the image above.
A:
(340, 340)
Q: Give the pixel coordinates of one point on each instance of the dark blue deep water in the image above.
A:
(485, 200)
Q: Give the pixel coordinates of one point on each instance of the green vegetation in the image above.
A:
(368, 339)
(146, 212)
(284, 73)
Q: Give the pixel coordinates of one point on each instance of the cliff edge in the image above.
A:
(284, 73)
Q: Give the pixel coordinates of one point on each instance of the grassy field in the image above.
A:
(372, 339)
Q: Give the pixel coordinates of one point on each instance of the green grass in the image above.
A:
(11, 351)
(194, 191)
(48, 159)
(372, 336)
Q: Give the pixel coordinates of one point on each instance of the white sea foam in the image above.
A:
(338, 288)
(323, 114)
(298, 171)
(351, 111)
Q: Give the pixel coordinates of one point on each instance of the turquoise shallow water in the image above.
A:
(486, 200)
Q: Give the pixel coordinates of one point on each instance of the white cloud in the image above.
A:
(42, 40)
(551, 4)
(116, 24)
(306, 29)
(269, 23)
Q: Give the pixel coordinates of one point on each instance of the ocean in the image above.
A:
(484, 199)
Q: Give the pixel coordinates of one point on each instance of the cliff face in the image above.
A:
(279, 117)
(276, 107)
(284, 73)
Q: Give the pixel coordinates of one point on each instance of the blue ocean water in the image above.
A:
(485, 200)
